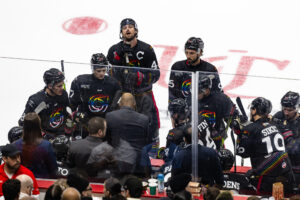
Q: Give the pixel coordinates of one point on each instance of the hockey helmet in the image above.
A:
(205, 82)
(128, 21)
(61, 146)
(194, 43)
(53, 76)
(263, 106)
(290, 99)
(15, 133)
(226, 159)
(98, 60)
(178, 106)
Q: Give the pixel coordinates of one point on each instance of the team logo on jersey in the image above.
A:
(209, 116)
(56, 118)
(186, 87)
(98, 103)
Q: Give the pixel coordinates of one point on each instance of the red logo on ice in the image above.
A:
(85, 25)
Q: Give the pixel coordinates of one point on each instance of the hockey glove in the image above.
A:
(250, 174)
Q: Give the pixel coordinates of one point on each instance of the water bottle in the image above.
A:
(160, 183)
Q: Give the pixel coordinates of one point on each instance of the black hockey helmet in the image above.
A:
(263, 106)
(15, 133)
(205, 82)
(53, 76)
(290, 99)
(178, 106)
(226, 159)
(194, 43)
(98, 60)
(128, 21)
(61, 146)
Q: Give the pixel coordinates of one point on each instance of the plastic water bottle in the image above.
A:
(160, 183)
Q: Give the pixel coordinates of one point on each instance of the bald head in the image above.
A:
(26, 183)
(127, 99)
(70, 194)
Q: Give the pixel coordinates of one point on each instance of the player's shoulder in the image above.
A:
(38, 96)
(145, 46)
(179, 65)
(209, 67)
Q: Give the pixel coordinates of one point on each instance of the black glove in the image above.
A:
(250, 174)
(235, 126)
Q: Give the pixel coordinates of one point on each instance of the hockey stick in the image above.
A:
(63, 71)
(241, 107)
(40, 107)
(229, 120)
(243, 119)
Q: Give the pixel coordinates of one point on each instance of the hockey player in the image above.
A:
(141, 70)
(92, 94)
(180, 117)
(288, 118)
(180, 82)
(214, 108)
(288, 122)
(264, 144)
(50, 104)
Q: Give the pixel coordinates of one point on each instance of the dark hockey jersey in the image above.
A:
(53, 114)
(140, 60)
(180, 78)
(93, 96)
(213, 110)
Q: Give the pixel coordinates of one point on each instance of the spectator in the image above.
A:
(37, 153)
(211, 193)
(133, 188)
(83, 186)
(80, 150)
(112, 189)
(130, 127)
(70, 194)
(50, 104)
(26, 185)
(225, 196)
(12, 167)
(11, 189)
(55, 191)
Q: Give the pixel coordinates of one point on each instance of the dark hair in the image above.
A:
(53, 192)
(32, 132)
(113, 186)
(11, 189)
(95, 124)
(211, 193)
(135, 187)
